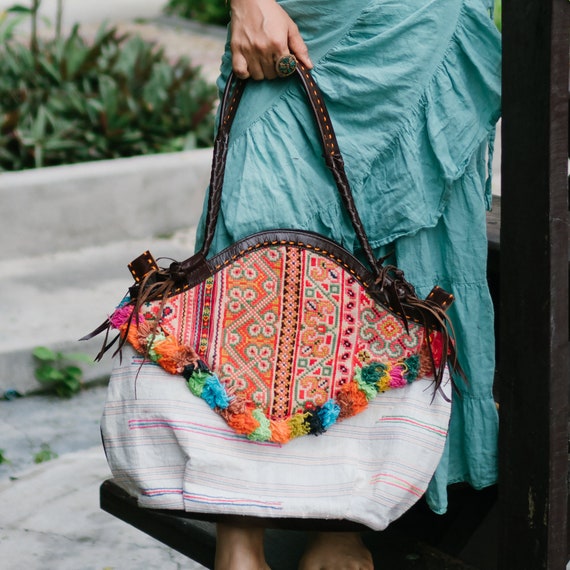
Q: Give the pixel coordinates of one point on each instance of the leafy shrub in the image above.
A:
(58, 372)
(45, 454)
(65, 100)
(206, 11)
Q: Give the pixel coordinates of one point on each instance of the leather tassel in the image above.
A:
(106, 327)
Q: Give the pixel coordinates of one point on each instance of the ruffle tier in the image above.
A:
(408, 115)
(453, 255)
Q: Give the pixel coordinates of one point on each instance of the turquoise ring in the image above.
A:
(286, 65)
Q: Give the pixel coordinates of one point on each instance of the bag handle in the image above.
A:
(332, 156)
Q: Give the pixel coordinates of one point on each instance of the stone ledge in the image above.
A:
(55, 299)
(65, 208)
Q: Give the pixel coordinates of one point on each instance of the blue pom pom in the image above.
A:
(125, 301)
(329, 413)
(215, 394)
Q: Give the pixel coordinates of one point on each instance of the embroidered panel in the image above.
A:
(281, 342)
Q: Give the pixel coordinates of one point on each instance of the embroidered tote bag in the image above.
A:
(284, 332)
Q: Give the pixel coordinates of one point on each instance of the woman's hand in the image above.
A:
(261, 33)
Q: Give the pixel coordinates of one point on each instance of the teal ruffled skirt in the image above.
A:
(413, 89)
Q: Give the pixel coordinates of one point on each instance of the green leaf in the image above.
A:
(7, 29)
(3, 458)
(40, 124)
(45, 454)
(56, 145)
(44, 353)
(78, 100)
(50, 69)
(68, 388)
(109, 95)
(47, 373)
(19, 9)
(73, 372)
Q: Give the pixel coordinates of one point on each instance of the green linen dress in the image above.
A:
(413, 89)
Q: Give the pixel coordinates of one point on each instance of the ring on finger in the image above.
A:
(286, 65)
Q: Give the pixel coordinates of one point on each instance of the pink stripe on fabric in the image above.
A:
(403, 487)
(158, 492)
(406, 484)
(403, 419)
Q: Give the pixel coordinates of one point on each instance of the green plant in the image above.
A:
(65, 100)
(3, 458)
(59, 372)
(206, 11)
(498, 15)
(45, 454)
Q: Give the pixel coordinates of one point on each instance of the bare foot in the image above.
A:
(239, 547)
(337, 551)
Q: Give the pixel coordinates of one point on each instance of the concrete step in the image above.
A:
(65, 208)
(55, 299)
(68, 232)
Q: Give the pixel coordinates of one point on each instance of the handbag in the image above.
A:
(284, 332)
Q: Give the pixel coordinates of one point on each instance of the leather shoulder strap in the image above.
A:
(332, 156)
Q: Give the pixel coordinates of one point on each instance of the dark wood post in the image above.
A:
(534, 343)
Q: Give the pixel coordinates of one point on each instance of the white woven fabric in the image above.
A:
(170, 450)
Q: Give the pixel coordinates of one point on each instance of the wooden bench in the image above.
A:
(420, 540)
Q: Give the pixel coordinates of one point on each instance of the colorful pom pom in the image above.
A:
(298, 425)
(147, 337)
(329, 413)
(314, 423)
(280, 431)
(351, 400)
(397, 379)
(215, 394)
(263, 432)
(121, 316)
(412, 365)
(152, 340)
(369, 390)
(372, 373)
(242, 423)
(197, 381)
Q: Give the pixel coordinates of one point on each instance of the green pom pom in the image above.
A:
(413, 368)
(372, 373)
(369, 390)
(197, 381)
(298, 425)
(152, 340)
(263, 432)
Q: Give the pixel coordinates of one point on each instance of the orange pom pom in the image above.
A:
(132, 336)
(167, 350)
(280, 431)
(351, 400)
(242, 423)
(173, 356)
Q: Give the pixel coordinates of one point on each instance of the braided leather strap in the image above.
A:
(332, 156)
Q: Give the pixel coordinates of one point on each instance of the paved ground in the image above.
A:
(49, 513)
